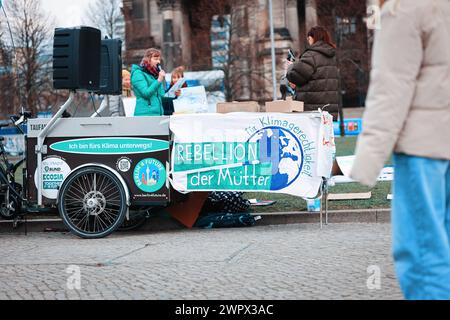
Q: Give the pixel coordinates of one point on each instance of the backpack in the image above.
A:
(226, 202)
(225, 220)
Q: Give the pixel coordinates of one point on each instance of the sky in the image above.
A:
(67, 13)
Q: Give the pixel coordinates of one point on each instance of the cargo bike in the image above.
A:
(93, 170)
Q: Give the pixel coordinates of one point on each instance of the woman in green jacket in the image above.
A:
(148, 83)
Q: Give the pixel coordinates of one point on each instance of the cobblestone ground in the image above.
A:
(269, 262)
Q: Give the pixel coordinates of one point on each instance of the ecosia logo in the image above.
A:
(54, 171)
(273, 156)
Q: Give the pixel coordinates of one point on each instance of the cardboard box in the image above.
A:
(246, 106)
(287, 105)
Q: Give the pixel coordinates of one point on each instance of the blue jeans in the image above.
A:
(421, 226)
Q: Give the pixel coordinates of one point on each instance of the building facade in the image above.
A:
(185, 31)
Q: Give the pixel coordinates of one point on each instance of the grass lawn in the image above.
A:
(344, 146)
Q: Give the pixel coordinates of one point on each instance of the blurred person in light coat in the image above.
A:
(408, 113)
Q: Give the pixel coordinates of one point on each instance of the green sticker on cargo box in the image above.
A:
(110, 145)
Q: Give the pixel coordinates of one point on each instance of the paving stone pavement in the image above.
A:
(296, 261)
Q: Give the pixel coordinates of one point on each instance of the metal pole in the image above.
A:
(340, 111)
(103, 106)
(325, 193)
(272, 44)
(40, 143)
(321, 210)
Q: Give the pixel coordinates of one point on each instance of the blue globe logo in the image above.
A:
(281, 148)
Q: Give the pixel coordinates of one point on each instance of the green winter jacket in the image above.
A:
(148, 91)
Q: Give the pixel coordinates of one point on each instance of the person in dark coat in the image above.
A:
(315, 73)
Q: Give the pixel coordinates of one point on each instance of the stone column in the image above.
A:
(137, 31)
(155, 21)
(292, 23)
(262, 17)
(126, 10)
(240, 51)
(279, 14)
(310, 14)
(171, 39)
(186, 40)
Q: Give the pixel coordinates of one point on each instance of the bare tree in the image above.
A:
(7, 87)
(105, 15)
(200, 18)
(31, 34)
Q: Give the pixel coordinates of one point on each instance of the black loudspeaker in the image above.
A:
(111, 67)
(76, 58)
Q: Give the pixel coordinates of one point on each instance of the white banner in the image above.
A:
(263, 152)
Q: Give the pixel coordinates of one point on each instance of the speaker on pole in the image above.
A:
(111, 67)
(76, 58)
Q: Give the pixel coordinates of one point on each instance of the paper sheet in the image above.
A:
(175, 87)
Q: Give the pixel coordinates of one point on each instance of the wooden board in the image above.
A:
(350, 196)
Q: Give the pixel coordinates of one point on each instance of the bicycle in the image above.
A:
(12, 197)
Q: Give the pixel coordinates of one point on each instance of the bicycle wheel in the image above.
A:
(92, 202)
(11, 208)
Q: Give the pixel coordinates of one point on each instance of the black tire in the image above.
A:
(9, 213)
(137, 220)
(92, 202)
(15, 208)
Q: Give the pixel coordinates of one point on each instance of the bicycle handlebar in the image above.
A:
(17, 121)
